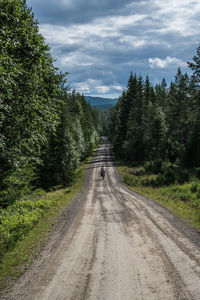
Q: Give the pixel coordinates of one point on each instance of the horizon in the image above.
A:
(102, 97)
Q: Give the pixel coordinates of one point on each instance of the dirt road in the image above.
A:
(115, 245)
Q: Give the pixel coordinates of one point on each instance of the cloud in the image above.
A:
(168, 62)
(96, 86)
(75, 59)
(67, 3)
(91, 85)
(65, 12)
(100, 42)
(100, 28)
(177, 16)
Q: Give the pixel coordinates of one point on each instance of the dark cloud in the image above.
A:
(76, 11)
(100, 42)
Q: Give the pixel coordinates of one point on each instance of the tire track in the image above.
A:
(119, 245)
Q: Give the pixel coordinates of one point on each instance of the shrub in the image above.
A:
(167, 178)
(17, 184)
(137, 171)
(145, 182)
(157, 165)
(154, 166)
(129, 180)
(198, 191)
(18, 218)
(148, 165)
(149, 182)
(197, 172)
(182, 176)
(194, 187)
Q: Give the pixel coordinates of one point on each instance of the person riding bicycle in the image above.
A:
(103, 172)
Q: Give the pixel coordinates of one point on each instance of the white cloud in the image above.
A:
(91, 86)
(117, 87)
(93, 42)
(133, 41)
(96, 86)
(105, 89)
(102, 89)
(94, 32)
(168, 62)
(76, 58)
(100, 36)
(177, 16)
(149, 34)
(67, 3)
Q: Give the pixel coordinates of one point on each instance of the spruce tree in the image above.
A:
(29, 97)
(195, 66)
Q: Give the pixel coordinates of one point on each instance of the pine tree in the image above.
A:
(133, 143)
(194, 139)
(30, 86)
(195, 66)
(178, 116)
(158, 135)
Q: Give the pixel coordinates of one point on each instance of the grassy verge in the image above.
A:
(182, 200)
(18, 257)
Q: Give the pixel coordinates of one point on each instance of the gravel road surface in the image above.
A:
(113, 244)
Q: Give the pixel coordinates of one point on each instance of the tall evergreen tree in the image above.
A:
(29, 104)
(178, 116)
(194, 140)
(195, 66)
(133, 142)
(44, 130)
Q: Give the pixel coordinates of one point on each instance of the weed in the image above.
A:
(182, 199)
(129, 180)
(137, 171)
(26, 226)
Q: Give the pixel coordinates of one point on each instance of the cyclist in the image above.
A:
(103, 172)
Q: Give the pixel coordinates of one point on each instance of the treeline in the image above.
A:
(74, 139)
(103, 116)
(159, 126)
(45, 131)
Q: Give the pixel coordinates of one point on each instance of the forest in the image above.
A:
(46, 130)
(48, 133)
(158, 127)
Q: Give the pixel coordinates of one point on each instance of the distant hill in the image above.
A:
(100, 102)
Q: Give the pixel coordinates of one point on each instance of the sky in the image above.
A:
(99, 42)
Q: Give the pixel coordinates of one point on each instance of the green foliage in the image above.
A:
(129, 180)
(15, 262)
(168, 173)
(18, 218)
(195, 66)
(182, 176)
(28, 98)
(165, 179)
(75, 137)
(186, 193)
(195, 186)
(102, 119)
(137, 171)
(45, 132)
(164, 186)
(153, 166)
(156, 126)
(17, 183)
(197, 172)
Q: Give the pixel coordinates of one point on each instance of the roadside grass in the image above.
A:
(19, 256)
(183, 200)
